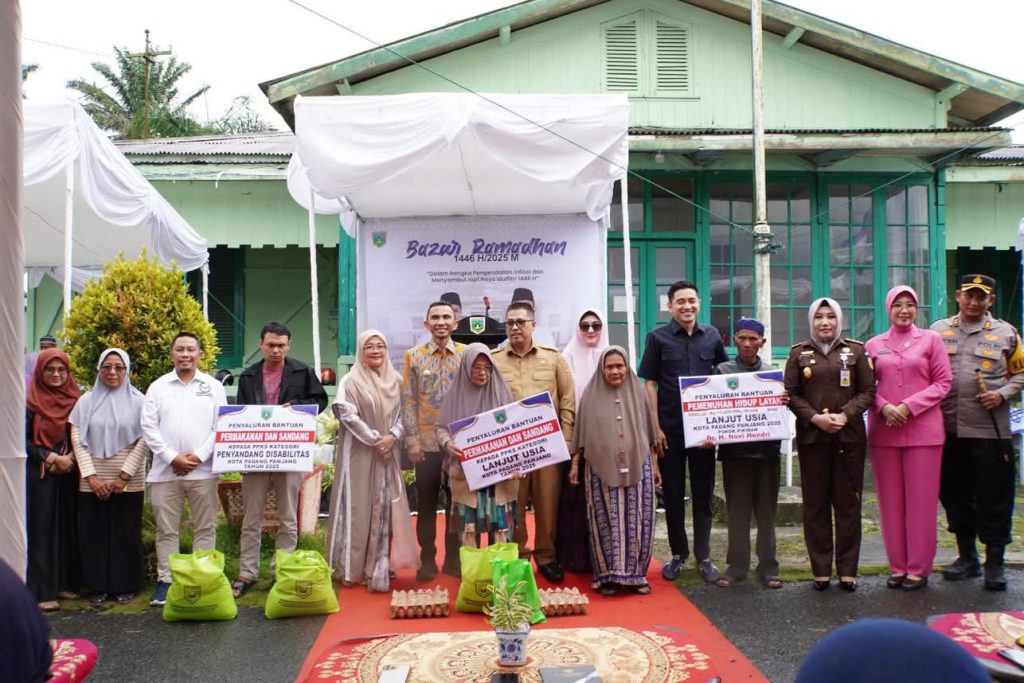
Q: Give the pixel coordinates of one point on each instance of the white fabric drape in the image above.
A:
(79, 276)
(12, 316)
(444, 154)
(115, 209)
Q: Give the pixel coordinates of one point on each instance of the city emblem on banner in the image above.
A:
(500, 417)
(477, 324)
(733, 383)
(266, 412)
(380, 238)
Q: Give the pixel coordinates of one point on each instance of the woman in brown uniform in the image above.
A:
(831, 383)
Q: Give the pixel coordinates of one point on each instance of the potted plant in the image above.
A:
(510, 616)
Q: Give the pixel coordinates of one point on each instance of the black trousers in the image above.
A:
(979, 479)
(701, 462)
(429, 482)
(110, 537)
(832, 480)
(751, 489)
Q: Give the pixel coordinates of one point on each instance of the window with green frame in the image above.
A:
(906, 234)
(851, 240)
(732, 257)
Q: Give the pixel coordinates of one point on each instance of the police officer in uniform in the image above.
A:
(831, 382)
(978, 472)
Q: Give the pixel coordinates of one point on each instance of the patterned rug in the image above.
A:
(618, 654)
(983, 634)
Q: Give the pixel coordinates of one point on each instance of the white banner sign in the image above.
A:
(265, 439)
(406, 263)
(518, 437)
(742, 407)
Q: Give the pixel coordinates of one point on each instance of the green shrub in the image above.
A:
(138, 306)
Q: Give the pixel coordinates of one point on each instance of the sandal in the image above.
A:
(240, 587)
(49, 606)
(772, 582)
(124, 598)
(608, 589)
(97, 599)
(725, 581)
(68, 595)
(642, 590)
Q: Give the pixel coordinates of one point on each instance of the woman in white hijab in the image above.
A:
(583, 354)
(369, 530)
(106, 434)
(831, 382)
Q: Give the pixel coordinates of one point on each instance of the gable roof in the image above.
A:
(976, 98)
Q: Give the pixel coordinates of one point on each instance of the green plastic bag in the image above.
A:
(199, 590)
(477, 572)
(303, 586)
(520, 570)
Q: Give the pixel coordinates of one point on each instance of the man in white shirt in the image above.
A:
(178, 418)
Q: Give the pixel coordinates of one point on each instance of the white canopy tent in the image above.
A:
(447, 154)
(84, 203)
(81, 203)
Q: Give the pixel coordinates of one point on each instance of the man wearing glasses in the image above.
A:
(530, 369)
(427, 372)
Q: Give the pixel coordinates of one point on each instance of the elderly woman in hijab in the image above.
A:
(614, 437)
(51, 481)
(106, 434)
(831, 382)
(492, 510)
(906, 433)
(583, 354)
(369, 528)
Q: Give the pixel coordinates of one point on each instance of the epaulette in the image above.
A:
(851, 340)
(549, 348)
(800, 343)
(500, 349)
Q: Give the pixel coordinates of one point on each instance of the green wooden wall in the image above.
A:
(983, 214)
(805, 88)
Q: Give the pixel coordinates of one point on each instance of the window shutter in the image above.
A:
(621, 57)
(672, 63)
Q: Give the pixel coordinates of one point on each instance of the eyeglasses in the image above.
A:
(904, 306)
(59, 370)
(113, 368)
(481, 368)
(374, 347)
(587, 326)
(518, 322)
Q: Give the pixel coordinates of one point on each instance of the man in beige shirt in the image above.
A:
(531, 369)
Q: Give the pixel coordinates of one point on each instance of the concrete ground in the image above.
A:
(773, 628)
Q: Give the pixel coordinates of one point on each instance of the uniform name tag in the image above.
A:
(844, 378)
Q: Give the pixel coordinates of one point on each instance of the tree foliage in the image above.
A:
(138, 306)
(123, 111)
(240, 118)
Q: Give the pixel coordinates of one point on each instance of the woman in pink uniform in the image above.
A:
(906, 434)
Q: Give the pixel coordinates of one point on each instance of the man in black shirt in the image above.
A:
(682, 347)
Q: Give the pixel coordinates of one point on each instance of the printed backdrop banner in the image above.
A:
(406, 263)
(735, 408)
(265, 439)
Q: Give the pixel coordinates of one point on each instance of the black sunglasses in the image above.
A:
(596, 327)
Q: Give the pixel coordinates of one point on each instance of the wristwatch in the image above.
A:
(124, 477)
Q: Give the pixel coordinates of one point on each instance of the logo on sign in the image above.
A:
(380, 238)
(477, 324)
(733, 383)
(266, 412)
(500, 417)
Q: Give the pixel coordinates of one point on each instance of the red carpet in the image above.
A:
(665, 611)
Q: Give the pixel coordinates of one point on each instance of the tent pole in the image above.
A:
(627, 263)
(12, 286)
(206, 291)
(314, 293)
(69, 210)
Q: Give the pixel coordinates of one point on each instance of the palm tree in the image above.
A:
(125, 113)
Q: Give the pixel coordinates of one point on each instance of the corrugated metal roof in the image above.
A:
(274, 146)
(806, 131)
(1012, 153)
